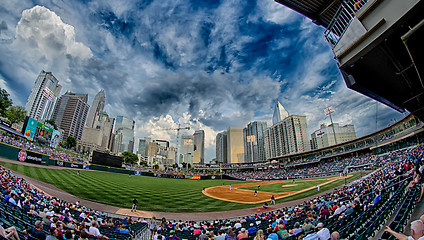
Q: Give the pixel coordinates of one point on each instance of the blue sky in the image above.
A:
(204, 64)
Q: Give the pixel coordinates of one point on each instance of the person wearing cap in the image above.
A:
(242, 234)
(172, 236)
(123, 229)
(252, 229)
(196, 231)
(134, 206)
(323, 233)
(36, 232)
(158, 235)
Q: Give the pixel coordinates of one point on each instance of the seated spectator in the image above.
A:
(282, 231)
(335, 236)
(416, 231)
(172, 236)
(68, 235)
(123, 229)
(221, 235)
(243, 234)
(203, 236)
(252, 230)
(54, 233)
(211, 235)
(259, 235)
(230, 235)
(307, 226)
(323, 233)
(157, 235)
(9, 232)
(36, 232)
(296, 230)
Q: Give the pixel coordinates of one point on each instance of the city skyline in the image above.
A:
(208, 65)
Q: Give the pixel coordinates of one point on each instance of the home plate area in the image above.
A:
(262, 209)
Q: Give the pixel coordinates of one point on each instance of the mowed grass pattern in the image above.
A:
(153, 194)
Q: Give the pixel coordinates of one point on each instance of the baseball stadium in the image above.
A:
(366, 188)
(353, 188)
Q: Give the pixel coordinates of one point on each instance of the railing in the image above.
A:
(342, 20)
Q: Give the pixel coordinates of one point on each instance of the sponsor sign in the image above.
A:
(59, 163)
(5, 124)
(30, 157)
(74, 165)
(22, 155)
(192, 177)
(85, 166)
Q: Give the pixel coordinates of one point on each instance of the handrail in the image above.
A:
(342, 20)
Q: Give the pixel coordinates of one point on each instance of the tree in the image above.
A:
(143, 163)
(5, 102)
(71, 142)
(53, 123)
(15, 114)
(129, 157)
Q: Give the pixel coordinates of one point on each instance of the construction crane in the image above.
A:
(178, 129)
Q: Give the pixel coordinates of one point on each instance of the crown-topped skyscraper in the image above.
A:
(96, 108)
(280, 113)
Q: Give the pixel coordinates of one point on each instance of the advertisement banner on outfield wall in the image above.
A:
(192, 177)
(30, 157)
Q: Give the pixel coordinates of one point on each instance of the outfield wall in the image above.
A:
(24, 155)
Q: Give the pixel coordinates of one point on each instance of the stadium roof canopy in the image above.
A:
(320, 11)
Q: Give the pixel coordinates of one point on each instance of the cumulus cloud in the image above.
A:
(43, 34)
(208, 65)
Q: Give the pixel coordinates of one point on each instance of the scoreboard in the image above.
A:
(106, 159)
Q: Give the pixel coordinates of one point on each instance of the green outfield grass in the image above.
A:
(153, 194)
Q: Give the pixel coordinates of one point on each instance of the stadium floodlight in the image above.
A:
(328, 111)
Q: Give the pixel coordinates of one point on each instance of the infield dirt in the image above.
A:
(238, 195)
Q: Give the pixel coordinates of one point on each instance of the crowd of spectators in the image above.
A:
(327, 167)
(55, 218)
(53, 153)
(306, 220)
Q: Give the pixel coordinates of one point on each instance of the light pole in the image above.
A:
(328, 111)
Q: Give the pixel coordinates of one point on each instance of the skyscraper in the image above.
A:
(70, 114)
(288, 136)
(221, 147)
(187, 149)
(235, 146)
(143, 146)
(96, 108)
(43, 97)
(199, 147)
(100, 137)
(124, 134)
(254, 142)
(280, 113)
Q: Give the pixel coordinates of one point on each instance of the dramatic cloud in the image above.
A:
(203, 64)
